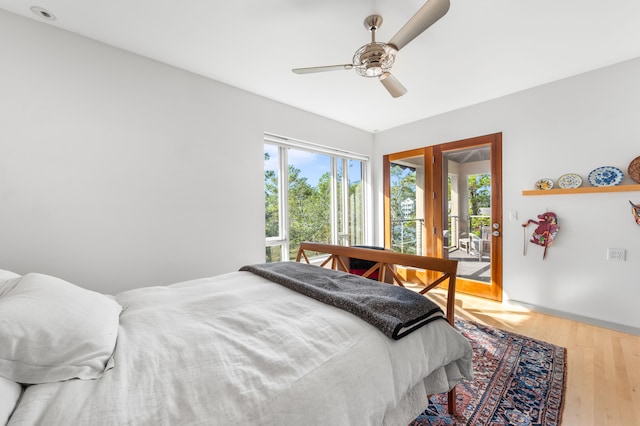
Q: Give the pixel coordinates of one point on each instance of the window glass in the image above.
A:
(406, 223)
(323, 200)
(273, 253)
(356, 203)
(341, 200)
(271, 192)
(479, 188)
(309, 198)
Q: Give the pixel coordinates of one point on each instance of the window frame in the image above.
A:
(338, 236)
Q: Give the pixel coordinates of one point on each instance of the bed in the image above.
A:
(234, 349)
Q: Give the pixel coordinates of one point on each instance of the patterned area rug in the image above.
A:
(517, 381)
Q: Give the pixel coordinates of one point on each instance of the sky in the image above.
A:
(312, 165)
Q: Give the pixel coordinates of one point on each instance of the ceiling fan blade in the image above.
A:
(310, 70)
(426, 16)
(395, 88)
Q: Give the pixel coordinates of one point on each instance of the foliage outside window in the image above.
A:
(479, 187)
(406, 228)
(322, 201)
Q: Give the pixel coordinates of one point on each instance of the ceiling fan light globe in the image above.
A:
(373, 71)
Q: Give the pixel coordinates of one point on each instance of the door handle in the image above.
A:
(496, 233)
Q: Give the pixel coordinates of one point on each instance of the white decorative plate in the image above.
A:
(569, 180)
(605, 176)
(544, 184)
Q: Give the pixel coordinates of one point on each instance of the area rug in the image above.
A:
(517, 381)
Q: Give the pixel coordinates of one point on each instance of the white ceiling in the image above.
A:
(480, 50)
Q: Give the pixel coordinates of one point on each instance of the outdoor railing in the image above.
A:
(407, 238)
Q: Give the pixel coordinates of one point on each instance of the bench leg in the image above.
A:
(451, 401)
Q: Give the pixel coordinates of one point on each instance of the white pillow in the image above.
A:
(9, 395)
(7, 275)
(52, 330)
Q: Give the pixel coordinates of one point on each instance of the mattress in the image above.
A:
(237, 349)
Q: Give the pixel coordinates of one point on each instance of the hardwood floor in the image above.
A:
(603, 366)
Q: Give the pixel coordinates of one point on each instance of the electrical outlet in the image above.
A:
(616, 254)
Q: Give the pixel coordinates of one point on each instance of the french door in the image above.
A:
(445, 201)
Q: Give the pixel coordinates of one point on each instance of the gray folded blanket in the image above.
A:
(396, 311)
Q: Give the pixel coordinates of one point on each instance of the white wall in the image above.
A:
(117, 171)
(573, 125)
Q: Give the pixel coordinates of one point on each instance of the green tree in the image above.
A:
(479, 192)
(309, 208)
(403, 187)
(271, 201)
(479, 196)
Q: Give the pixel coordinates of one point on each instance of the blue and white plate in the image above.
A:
(605, 176)
(569, 180)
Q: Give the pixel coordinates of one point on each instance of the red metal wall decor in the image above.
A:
(635, 210)
(545, 233)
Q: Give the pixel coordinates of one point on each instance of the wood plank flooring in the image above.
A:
(603, 366)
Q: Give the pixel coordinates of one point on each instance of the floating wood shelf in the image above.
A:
(583, 190)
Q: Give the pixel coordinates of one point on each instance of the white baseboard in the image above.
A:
(587, 320)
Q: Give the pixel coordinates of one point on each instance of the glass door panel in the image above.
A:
(467, 229)
(471, 212)
(406, 199)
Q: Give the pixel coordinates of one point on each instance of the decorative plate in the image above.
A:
(605, 176)
(544, 184)
(569, 180)
(634, 169)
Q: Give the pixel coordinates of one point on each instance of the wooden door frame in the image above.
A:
(427, 185)
(494, 141)
(433, 205)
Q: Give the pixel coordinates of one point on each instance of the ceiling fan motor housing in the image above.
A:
(373, 59)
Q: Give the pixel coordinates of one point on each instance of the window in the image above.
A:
(311, 193)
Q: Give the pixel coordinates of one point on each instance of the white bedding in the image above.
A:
(237, 349)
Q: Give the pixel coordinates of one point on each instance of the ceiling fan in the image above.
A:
(376, 59)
